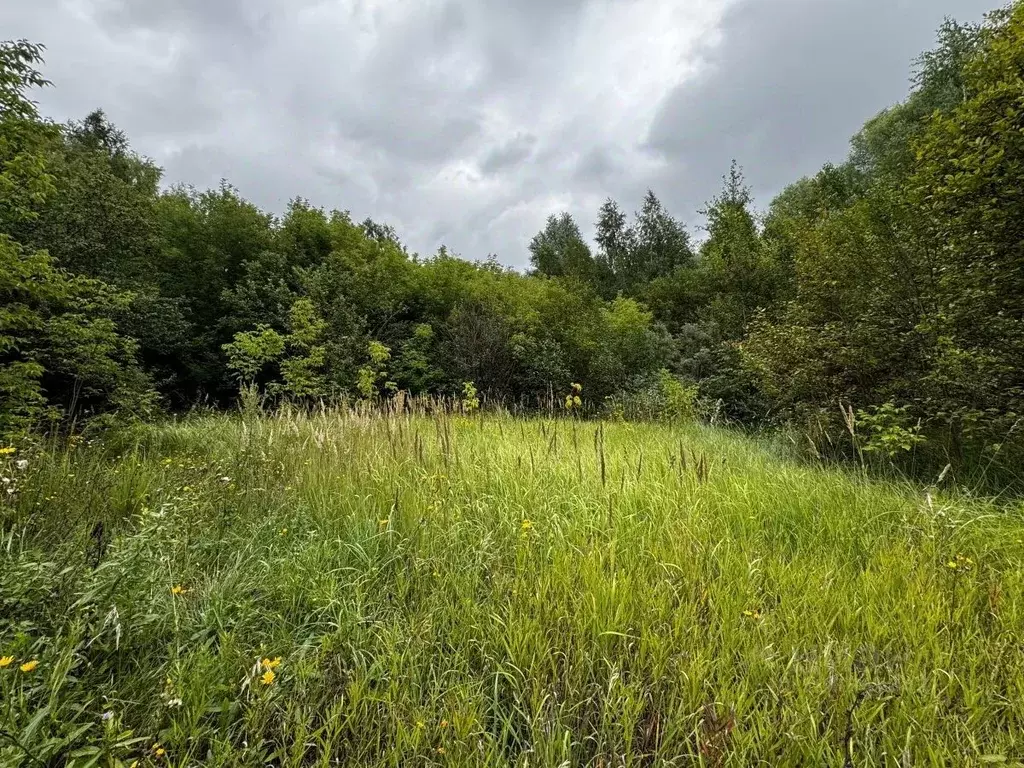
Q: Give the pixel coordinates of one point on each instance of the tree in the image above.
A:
(25, 181)
(304, 369)
(613, 239)
(970, 185)
(659, 244)
(560, 251)
(251, 352)
(885, 146)
(733, 259)
(273, 279)
(206, 240)
(60, 349)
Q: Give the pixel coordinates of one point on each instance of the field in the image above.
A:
(366, 590)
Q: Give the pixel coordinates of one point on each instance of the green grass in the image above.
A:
(456, 591)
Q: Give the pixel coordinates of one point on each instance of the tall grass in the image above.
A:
(444, 590)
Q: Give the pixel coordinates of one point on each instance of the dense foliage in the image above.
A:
(883, 297)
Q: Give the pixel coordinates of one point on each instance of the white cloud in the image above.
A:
(466, 121)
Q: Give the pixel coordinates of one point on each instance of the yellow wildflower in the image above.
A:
(753, 614)
(159, 751)
(9, 450)
(441, 750)
(444, 723)
(6, 661)
(177, 589)
(271, 663)
(384, 522)
(420, 725)
(28, 666)
(961, 562)
(267, 678)
(527, 525)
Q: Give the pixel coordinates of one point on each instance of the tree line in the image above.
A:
(881, 299)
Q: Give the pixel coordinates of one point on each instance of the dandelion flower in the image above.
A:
(159, 751)
(28, 666)
(267, 678)
(271, 663)
(8, 451)
(177, 589)
(6, 661)
(527, 525)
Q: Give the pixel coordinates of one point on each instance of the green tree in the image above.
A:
(373, 377)
(884, 147)
(304, 368)
(733, 259)
(559, 250)
(206, 240)
(60, 350)
(658, 244)
(251, 352)
(970, 184)
(613, 240)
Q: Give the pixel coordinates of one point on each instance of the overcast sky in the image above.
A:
(467, 122)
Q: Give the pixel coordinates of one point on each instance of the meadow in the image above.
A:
(360, 589)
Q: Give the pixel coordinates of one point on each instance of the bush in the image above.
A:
(661, 397)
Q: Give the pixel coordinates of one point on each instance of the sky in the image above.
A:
(468, 122)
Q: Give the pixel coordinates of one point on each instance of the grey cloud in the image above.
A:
(790, 83)
(512, 152)
(427, 136)
(220, 24)
(598, 167)
(469, 121)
